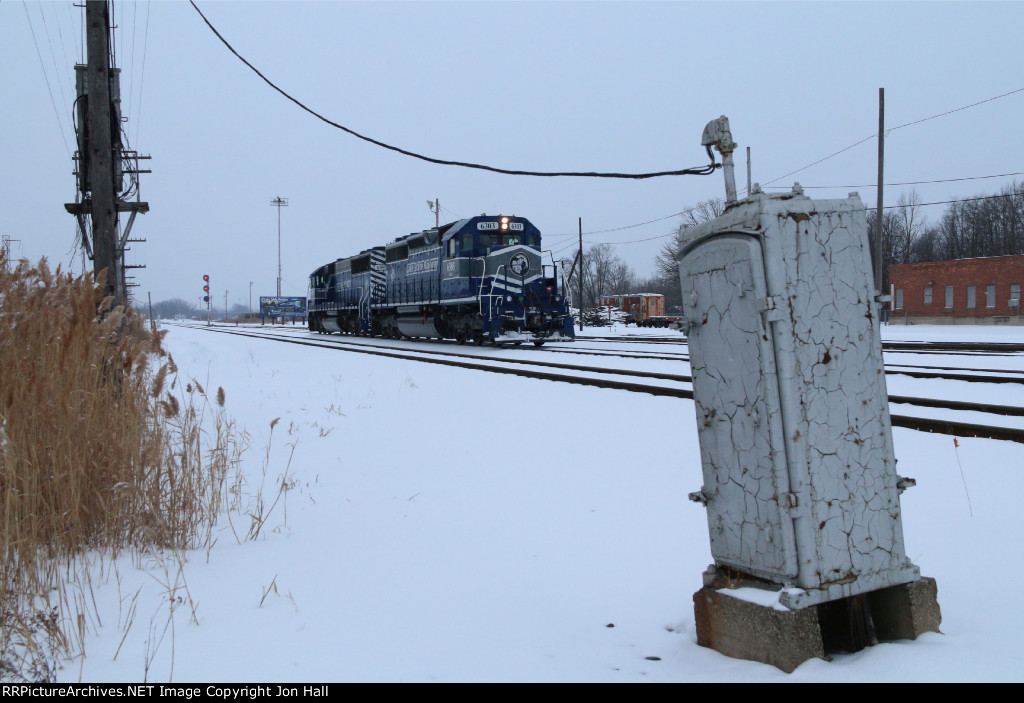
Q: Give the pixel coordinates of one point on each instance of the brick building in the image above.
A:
(968, 291)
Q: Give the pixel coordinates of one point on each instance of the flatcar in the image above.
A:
(480, 279)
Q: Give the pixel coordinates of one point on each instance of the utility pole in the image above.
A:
(435, 207)
(100, 154)
(878, 204)
(279, 203)
(581, 273)
(225, 306)
(250, 297)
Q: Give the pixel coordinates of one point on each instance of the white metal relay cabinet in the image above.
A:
(800, 480)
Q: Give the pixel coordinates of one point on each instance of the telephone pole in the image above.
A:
(100, 150)
(279, 203)
(581, 273)
(100, 155)
(435, 207)
(879, 266)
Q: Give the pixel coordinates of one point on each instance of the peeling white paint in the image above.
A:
(796, 444)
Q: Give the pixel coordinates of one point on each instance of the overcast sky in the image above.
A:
(582, 86)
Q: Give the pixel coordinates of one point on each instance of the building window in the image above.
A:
(949, 297)
(972, 297)
(1015, 295)
(990, 296)
(927, 295)
(899, 299)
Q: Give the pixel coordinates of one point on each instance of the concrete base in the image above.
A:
(787, 638)
(904, 612)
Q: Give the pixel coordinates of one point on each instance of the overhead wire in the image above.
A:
(705, 170)
(53, 57)
(137, 116)
(916, 183)
(694, 171)
(851, 146)
(885, 207)
(893, 129)
(42, 64)
(836, 153)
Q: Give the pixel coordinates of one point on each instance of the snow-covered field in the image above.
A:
(454, 525)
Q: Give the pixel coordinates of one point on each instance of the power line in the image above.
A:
(695, 171)
(42, 64)
(865, 185)
(836, 153)
(617, 229)
(137, 116)
(959, 200)
(916, 183)
(893, 129)
(950, 112)
(886, 207)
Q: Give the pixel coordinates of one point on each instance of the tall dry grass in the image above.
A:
(101, 450)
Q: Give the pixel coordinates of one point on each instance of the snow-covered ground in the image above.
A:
(454, 525)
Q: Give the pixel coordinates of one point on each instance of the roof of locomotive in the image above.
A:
(343, 263)
(431, 236)
(450, 230)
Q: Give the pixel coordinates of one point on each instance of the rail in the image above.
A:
(602, 379)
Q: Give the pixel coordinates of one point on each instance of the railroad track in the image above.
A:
(921, 346)
(653, 382)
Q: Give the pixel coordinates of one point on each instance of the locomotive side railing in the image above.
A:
(364, 305)
(491, 294)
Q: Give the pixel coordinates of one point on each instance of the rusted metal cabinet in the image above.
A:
(800, 480)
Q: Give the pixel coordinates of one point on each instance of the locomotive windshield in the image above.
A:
(506, 239)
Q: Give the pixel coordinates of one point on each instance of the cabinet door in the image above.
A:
(736, 394)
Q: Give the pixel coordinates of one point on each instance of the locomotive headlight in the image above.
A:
(504, 223)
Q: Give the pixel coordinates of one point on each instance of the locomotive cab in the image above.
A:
(495, 263)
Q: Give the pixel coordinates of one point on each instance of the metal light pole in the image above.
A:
(7, 248)
(250, 297)
(279, 203)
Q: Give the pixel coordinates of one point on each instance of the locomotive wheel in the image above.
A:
(460, 336)
(478, 338)
(538, 343)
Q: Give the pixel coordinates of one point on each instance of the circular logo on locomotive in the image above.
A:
(519, 264)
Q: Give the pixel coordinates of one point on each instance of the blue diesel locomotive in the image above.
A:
(477, 280)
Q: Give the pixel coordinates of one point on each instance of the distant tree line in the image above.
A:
(985, 225)
(169, 309)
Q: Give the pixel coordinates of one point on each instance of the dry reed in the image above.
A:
(99, 453)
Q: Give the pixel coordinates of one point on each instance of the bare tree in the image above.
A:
(666, 263)
(176, 306)
(909, 225)
(598, 272)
